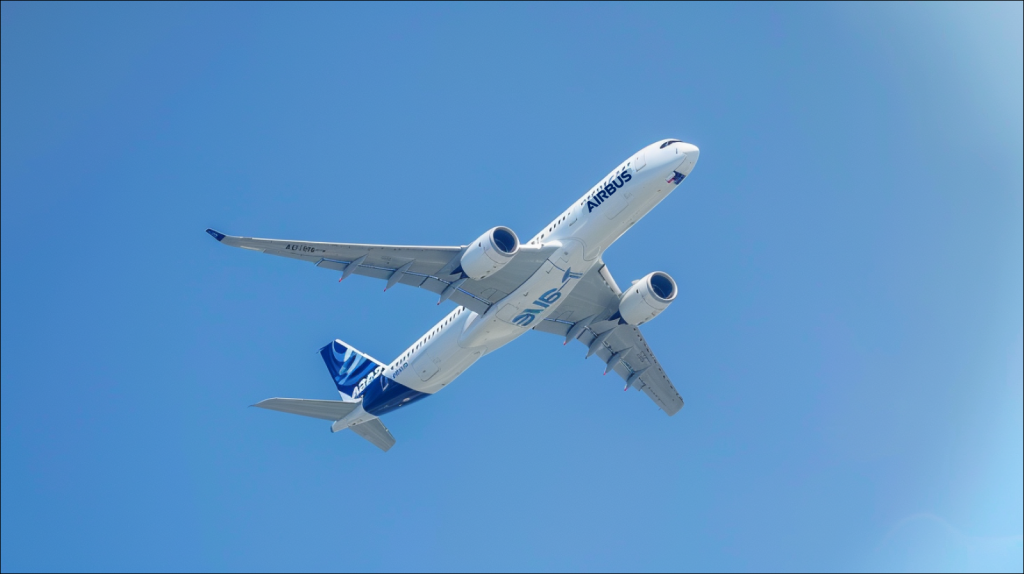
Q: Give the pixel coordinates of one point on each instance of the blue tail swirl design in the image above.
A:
(346, 365)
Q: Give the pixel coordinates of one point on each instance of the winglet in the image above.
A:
(216, 234)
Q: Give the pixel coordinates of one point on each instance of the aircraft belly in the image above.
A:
(534, 300)
(446, 364)
(385, 395)
(440, 359)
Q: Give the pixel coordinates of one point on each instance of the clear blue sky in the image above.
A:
(849, 250)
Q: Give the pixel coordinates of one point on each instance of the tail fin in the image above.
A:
(347, 365)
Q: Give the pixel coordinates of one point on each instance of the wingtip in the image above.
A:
(216, 234)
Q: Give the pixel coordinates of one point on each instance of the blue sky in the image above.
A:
(848, 337)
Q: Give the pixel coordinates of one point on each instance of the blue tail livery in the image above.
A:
(360, 376)
(348, 366)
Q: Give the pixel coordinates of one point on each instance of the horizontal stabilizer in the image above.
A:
(375, 432)
(326, 410)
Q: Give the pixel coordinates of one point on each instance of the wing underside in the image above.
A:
(622, 347)
(429, 268)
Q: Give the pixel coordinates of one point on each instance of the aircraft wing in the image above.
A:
(592, 302)
(428, 268)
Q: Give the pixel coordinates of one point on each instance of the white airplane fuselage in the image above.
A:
(579, 236)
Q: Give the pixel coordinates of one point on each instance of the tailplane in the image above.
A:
(375, 432)
(372, 430)
(326, 410)
(349, 368)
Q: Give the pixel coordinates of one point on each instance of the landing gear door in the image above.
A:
(425, 368)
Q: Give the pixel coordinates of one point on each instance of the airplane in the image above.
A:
(555, 283)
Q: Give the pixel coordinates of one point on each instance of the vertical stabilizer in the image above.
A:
(348, 366)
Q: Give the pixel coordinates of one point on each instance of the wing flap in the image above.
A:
(653, 382)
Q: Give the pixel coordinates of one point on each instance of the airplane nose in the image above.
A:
(692, 153)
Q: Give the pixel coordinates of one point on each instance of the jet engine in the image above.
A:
(489, 253)
(646, 298)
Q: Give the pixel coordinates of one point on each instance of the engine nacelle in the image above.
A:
(489, 253)
(648, 297)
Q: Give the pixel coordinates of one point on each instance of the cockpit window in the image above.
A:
(668, 143)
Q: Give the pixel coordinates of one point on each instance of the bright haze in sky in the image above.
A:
(847, 335)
